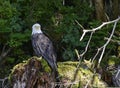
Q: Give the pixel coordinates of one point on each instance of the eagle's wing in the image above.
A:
(43, 47)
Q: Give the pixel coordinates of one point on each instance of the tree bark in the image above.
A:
(31, 75)
(100, 11)
(115, 8)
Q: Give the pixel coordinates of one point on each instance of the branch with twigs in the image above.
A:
(98, 28)
(107, 42)
(5, 51)
(102, 48)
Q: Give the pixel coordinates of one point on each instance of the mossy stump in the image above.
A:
(36, 73)
(31, 74)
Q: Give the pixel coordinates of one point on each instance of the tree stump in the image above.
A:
(36, 73)
(31, 75)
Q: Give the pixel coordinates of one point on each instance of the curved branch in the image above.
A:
(99, 27)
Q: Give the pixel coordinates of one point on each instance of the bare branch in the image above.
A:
(95, 29)
(5, 52)
(86, 48)
(96, 54)
(104, 46)
(114, 41)
(79, 24)
(99, 49)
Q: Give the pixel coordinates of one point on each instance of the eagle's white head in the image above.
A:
(36, 28)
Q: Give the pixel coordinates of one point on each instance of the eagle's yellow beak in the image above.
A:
(37, 27)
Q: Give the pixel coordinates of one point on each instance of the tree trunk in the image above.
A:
(31, 74)
(116, 11)
(100, 11)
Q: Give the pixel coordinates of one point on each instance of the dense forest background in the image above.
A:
(59, 20)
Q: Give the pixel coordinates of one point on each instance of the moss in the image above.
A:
(34, 70)
(113, 60)
(45, 65)
(84, 75)
(67, 69)
(68, 63)
(21, 66)
(68, 73)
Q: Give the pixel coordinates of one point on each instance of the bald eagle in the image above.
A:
(43, 47)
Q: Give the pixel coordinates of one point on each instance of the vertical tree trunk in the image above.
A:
(115, 8)
(100, 11)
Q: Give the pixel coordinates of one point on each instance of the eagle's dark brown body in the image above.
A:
(44, 47)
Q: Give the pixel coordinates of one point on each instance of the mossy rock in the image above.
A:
(36, 72)
(43, 64)
(79, 78)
